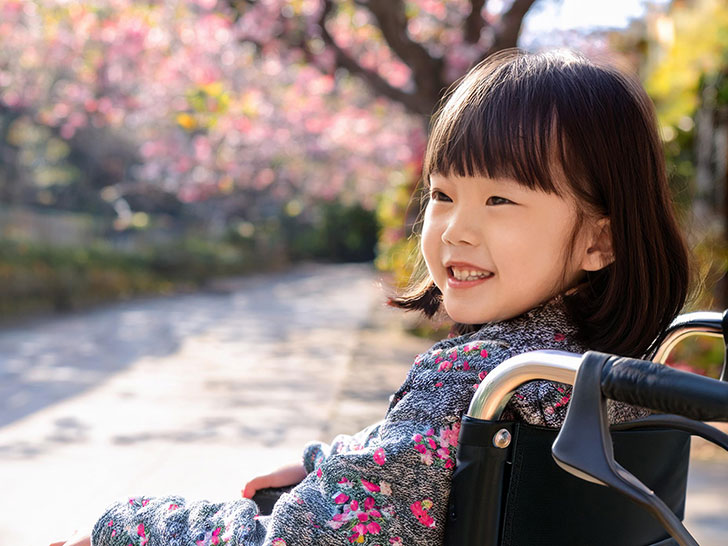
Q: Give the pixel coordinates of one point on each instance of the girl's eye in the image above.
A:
(437, 195)
(495, 200)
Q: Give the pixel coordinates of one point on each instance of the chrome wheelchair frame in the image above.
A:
(492, 501)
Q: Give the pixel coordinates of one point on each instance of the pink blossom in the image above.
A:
(466, 366)
(374, 528)
(359, 530)
(318, 472)
(420, 511)
(449, 436)
(417, 437)
(559, 337)
(380, 456)
(484, 353)
(141, 533)
(421, 448)
(369, 486)
(427, 457)
(340, 498)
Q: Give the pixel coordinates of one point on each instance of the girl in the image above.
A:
(548, 225)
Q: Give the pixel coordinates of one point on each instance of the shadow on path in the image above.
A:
(51, 359)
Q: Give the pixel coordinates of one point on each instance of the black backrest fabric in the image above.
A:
(518, 496)
(545, 505)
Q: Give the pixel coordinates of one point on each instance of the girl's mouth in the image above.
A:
(461, 276)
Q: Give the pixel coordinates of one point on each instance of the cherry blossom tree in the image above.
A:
(408, 52)
(207, 114)
(246, 106)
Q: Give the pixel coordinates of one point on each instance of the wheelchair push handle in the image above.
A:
(665, 389)
(584, 447)
(637, 382)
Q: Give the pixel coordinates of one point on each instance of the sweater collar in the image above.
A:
(546, 326)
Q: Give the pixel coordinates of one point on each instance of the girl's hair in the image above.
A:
(563, 124)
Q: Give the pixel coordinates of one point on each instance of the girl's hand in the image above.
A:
(76, 540)
(287, 475)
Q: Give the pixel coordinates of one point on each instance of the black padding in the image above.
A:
(266, 498)
(665, 389)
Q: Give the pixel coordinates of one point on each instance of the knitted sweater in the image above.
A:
(390, 483)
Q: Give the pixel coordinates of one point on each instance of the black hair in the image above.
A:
(556, 116)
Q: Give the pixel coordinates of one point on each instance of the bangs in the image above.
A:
(494, 125)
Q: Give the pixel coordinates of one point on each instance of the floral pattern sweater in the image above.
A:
(390, 483)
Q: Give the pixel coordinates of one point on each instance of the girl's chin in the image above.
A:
(465, 317)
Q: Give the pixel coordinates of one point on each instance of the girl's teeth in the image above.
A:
(466, 275)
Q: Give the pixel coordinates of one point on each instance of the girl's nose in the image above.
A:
(461, 229)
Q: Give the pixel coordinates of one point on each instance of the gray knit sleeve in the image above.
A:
(173, 521)
(315, 453)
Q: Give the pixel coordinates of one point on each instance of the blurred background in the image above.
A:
(148, 146)
(161, 149)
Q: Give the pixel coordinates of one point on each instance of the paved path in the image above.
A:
(193, 394)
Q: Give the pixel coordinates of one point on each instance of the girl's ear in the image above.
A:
(599, 251)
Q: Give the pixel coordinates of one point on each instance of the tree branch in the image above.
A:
(474, 23)
(412, 101)
(393, 22)
(427, 70)
(507, 32)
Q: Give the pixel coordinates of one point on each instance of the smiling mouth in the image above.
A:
(463, 274)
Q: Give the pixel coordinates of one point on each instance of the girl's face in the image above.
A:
(496, 249)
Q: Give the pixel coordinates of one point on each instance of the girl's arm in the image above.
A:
(389, 484)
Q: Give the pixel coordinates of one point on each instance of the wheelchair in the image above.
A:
(587, 483)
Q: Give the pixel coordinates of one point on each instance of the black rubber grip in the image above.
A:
(665, 389)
